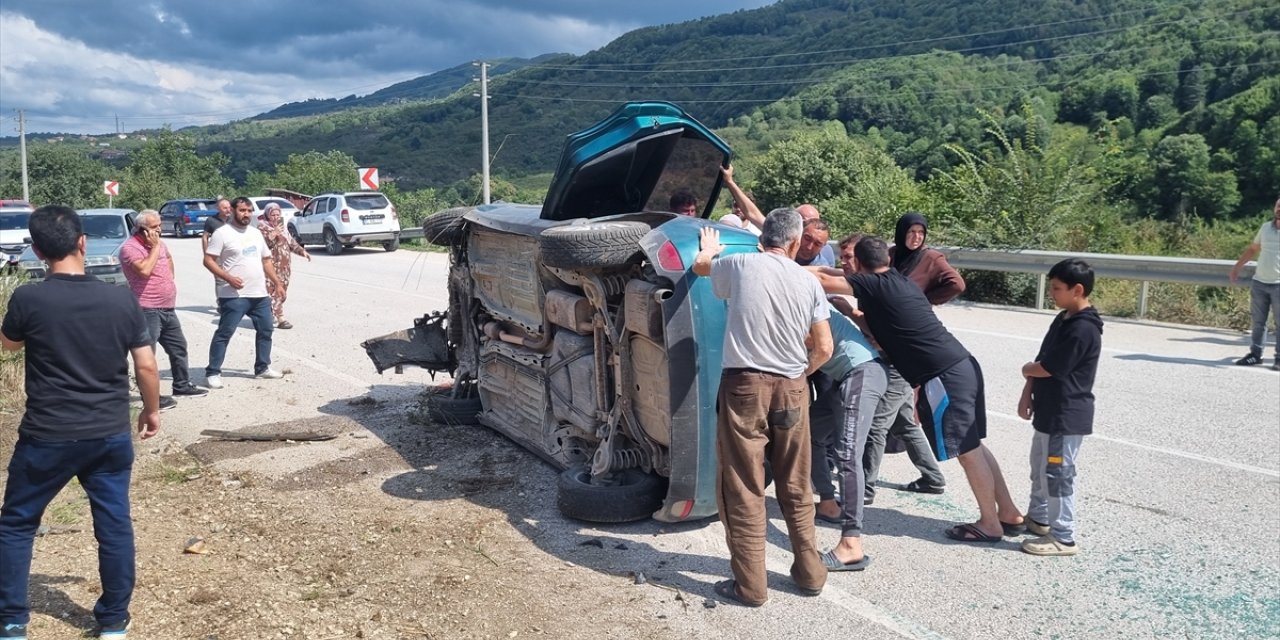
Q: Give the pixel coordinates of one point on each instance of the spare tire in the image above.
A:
(635, 496)
(592, 245)
(444, 228)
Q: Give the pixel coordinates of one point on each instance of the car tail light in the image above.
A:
(346, 216)
(669, 257)
(186, 217)
(394, 215)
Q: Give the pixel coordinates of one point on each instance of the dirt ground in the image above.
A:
(432, 533)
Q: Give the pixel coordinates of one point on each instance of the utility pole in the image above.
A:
(22, 146)
(484, 128)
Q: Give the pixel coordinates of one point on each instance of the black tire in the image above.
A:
(177, 229)
(636, 496)
(445, 228)
(293, 231)
(592, 245)
(331, 243)
(391, 245)
(441, 407)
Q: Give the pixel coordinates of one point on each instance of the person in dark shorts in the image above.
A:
(1058, 400)
(951, 403)
(78, 333)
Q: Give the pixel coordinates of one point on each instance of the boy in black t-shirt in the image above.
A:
(1058, 399)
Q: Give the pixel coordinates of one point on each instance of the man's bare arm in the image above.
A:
(11, 345)
(148, 375)
(1249, 252)
(823, 346)
(749, 208)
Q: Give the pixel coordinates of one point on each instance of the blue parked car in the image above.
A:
(577, 329)
(185, 217)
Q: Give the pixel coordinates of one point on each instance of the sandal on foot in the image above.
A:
(728, 589)
(284, 324)
(971, 533)
(818, 515)
(832, 563)
(1011, 530)
(918, 486)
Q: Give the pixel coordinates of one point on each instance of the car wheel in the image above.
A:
(391, 245)
(293, 231)
(636, 495)
(177, 229)
(439, 406)
(331, 243)
(445, 228)
(592, 245)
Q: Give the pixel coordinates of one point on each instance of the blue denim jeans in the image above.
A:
(38, 471)
(232, 310)
(1263, 299)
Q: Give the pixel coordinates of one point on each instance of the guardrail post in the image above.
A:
(1142, 299)
(1040, 292)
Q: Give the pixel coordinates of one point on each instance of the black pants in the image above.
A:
(165, 329)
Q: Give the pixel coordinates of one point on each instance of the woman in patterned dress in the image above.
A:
(282, 246)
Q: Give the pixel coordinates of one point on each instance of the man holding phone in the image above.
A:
(149, 269)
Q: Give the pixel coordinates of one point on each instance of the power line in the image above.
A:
(867, 47)
(964, 50)
(904, 74)
(849, 97)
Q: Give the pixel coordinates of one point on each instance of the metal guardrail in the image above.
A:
(1147, 269)
(411, 232)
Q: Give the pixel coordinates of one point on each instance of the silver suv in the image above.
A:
(343, 220)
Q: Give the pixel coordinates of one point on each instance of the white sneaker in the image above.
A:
(270, 374)
(213, 382)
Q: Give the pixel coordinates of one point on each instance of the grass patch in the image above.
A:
(417, 244)
(70, 507)
(177, 475)
(12, 363)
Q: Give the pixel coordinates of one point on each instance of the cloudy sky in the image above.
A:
(75, 65)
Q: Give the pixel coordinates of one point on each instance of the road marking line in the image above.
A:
(1173, 452)
(867, 610)
(995, 334)
(363, 285)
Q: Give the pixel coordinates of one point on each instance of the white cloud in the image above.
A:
(66, 86)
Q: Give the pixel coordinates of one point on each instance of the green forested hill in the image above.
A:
(435, 86)
(915, 72)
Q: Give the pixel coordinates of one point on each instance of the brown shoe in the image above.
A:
(284, 324)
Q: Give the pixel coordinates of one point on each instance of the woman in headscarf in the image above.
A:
(926, 267)
(282, 245)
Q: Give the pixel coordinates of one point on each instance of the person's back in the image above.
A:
(903, 322)
(769, 312)
(78, 333)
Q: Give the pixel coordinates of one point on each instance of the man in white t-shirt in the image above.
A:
(240, 262)
(1264, 288)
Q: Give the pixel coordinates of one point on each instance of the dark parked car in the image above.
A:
(577, 329)
(105, 232)
(184, 218)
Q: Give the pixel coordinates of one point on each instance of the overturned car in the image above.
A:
(577, 329)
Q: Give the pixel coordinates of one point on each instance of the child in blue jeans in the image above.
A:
(1058, 399)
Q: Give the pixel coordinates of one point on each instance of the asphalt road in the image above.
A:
(1179, 509)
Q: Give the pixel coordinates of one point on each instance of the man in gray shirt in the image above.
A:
(774, 309)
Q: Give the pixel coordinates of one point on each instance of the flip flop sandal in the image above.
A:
(832, 563)
(971, 533)
(728, 589)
